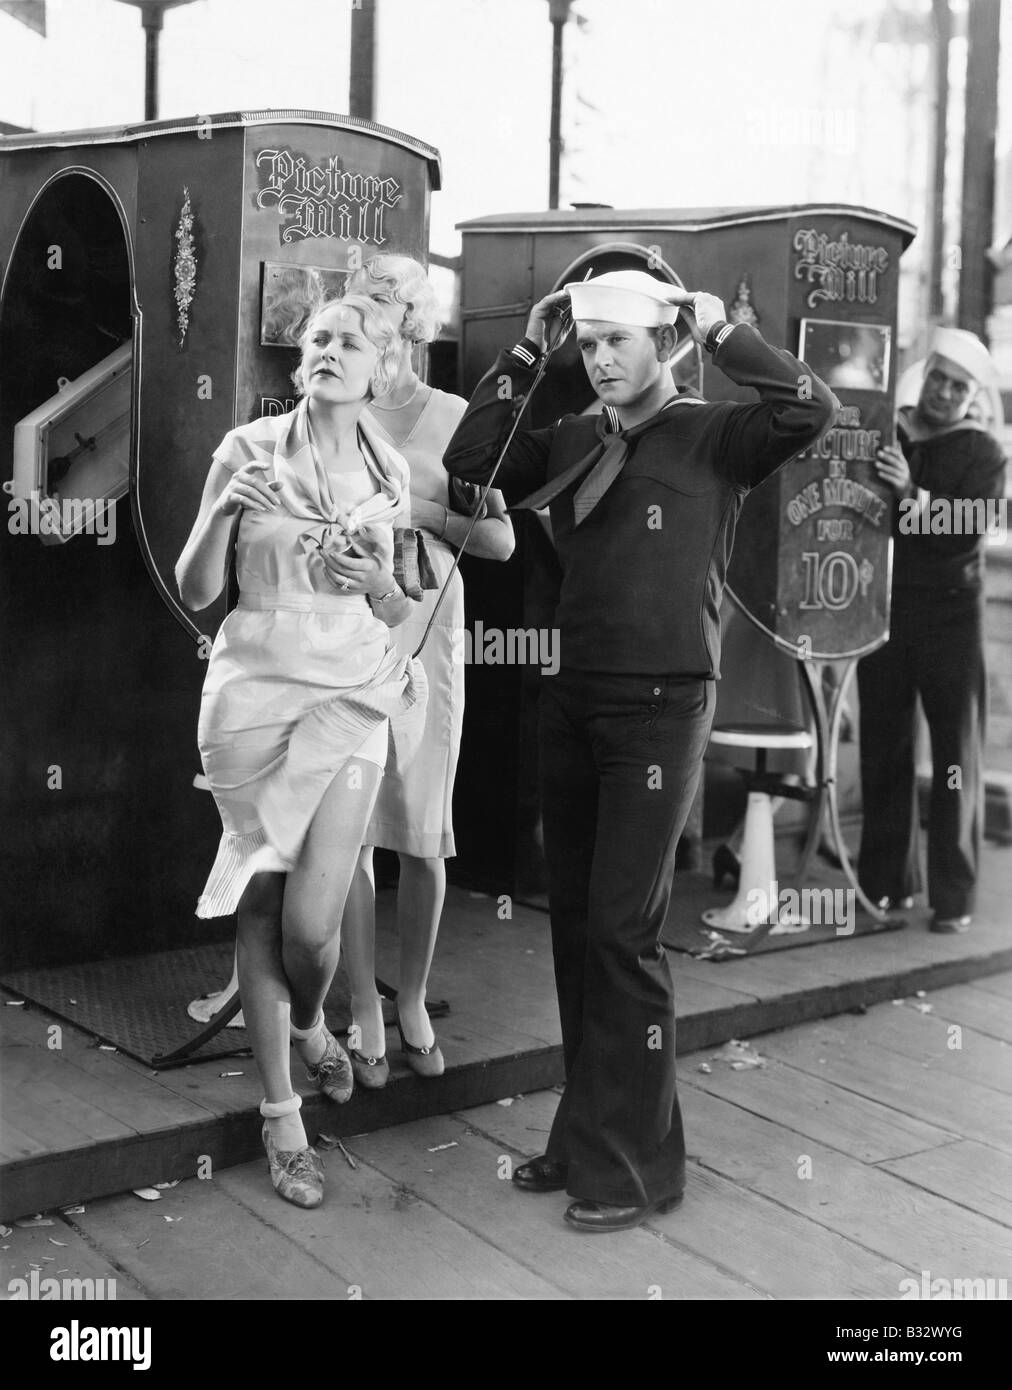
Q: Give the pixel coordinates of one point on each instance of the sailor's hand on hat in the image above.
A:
(248, 487)
(892, 467)
(552, 306)
(704, 310)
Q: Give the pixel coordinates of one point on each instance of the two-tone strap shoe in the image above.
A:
(604, 1216)
(297, 1174)
(542, 1174)
(371, 1072)
(332, 1074)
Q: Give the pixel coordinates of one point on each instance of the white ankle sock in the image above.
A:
(285, 1123)
(310, 1043)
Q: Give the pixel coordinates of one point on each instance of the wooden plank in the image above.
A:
(160, 1155)
(925, 1037)
(149, 1099)
(384, 1239)
(699, 992)
(970, 1174)
(742, 1232)
(99, 1170)
(975, 1008)
(14, 1143)
(467, 1037)
(73, 1259)
(476, 954)
(1000, 984)
(232, 1236)
(211, 1249)
(912, 1086)
(520, 1122)
(812, 1106)
(127, 1091)
(55, 1116)
(153, 1101)
(873, 1208)
(464, 1180)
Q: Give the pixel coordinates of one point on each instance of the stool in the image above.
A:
(751, 907)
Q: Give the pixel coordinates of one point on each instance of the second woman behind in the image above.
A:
(413, 809)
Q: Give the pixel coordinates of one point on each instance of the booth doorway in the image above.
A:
(67, 298)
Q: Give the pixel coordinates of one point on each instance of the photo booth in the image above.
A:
(154, 282)
(811, 565)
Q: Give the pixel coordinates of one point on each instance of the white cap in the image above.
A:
(965, 349)
(623, 296)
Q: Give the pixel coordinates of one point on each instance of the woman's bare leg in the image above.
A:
(205, 1008)
(317, 888)
(266, 998)
(420, 896)
(367, 1033)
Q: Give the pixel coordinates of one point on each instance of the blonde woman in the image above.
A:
(413, 809)
(302, 686)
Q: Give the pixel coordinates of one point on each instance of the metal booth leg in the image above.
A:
(828, 730)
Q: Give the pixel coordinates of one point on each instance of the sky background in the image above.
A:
(667, 103)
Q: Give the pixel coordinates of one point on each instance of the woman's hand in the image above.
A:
(431, 516)
(248, 488)
(366, 566)
(892, 467)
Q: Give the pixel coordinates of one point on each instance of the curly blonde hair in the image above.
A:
(377, 329)
(403, 280)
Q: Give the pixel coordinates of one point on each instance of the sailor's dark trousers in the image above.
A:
(621, 757)
(935, 650)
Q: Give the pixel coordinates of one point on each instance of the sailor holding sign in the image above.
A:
(644, 499)
(948, 474)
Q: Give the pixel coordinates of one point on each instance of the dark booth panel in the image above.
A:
(189, 206)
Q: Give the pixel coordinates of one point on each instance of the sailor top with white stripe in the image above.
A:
(643, 575)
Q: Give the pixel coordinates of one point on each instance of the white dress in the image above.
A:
(413, 812)
(301, 678)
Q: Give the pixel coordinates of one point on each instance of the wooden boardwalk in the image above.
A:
(79, 1122)
(867, 1150)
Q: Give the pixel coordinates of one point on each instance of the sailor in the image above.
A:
(643, 501)
(946, 470)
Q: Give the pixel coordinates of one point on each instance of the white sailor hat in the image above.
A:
(965, 349)
(623, 296)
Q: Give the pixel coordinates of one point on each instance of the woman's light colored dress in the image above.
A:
(413, 812)
(301, 678)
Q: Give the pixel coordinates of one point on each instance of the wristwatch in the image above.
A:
(391, 593)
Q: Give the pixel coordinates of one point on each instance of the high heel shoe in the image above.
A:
(726, 864)
(297, 1175)
(332, 1074)
(423, 1061)
(371, 1072)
